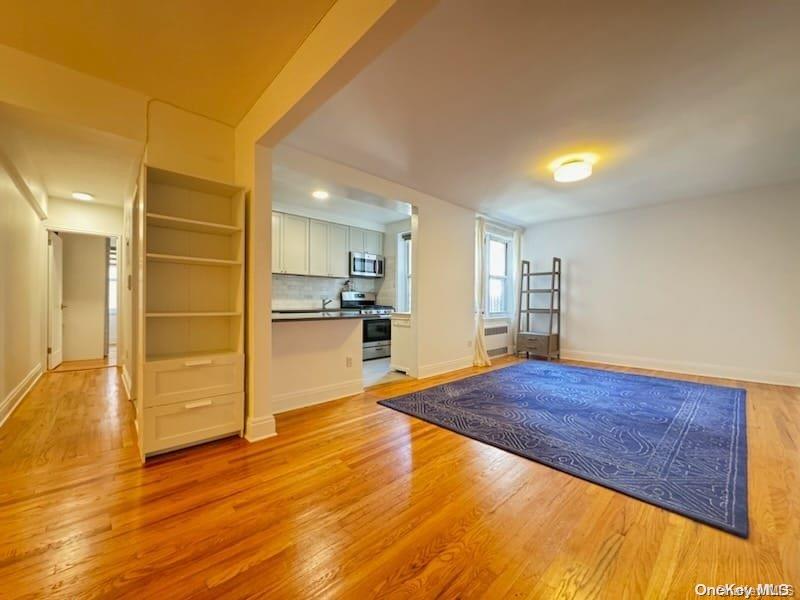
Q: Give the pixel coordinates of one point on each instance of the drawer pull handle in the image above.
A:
(198, 363)
(197, 404)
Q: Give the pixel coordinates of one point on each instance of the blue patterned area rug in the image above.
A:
(676, 444)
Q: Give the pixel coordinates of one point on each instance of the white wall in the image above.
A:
(708, 286)
(22, 324)
(87, 217)
(84, 296)
(443, 289)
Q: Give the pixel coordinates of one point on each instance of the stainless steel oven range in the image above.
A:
(377, 330)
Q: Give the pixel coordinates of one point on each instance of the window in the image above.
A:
(498, 280)
(112, 280)
(404, 272)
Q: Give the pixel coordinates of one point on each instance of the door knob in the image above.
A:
(63, 306)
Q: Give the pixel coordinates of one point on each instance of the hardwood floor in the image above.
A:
(92, 363)
(353, 500)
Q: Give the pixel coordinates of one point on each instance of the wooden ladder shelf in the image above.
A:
(539, 314)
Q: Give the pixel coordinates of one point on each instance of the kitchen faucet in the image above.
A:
(325, 302)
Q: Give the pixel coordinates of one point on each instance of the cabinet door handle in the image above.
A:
(198, 363)
(198, 404)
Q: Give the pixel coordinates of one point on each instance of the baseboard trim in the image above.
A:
(318, 395)
(15, 396)
(126, 382)
(260, 428)
(674, 366)
(445, 367)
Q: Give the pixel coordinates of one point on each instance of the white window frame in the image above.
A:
(404, 275)
(507, 291)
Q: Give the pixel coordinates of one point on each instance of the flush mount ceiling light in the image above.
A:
(320, 194)
(85, 196)
(571, 170)
(572, 167)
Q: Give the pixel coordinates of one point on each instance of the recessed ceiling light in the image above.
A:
(85, 196)
(320, 194)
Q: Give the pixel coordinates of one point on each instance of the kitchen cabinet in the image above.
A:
(373, 242)
(290, 242)
(338, 254)
(357, 239)
(403, 357)
(277, 242)
(318, 255)
(328, 252)
(364, 240)
(304, 246)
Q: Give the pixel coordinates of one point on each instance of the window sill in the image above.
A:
(498, 317)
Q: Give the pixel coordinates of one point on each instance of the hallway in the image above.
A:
(69, 421)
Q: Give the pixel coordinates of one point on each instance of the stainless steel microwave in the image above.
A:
(364, 264)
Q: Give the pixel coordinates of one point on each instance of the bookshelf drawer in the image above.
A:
(184, 379)
(186, 423)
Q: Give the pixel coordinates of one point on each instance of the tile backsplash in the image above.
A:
(303, 291)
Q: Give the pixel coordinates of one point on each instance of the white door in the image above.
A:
(295, 244)
(318, 248)
(55, 286)
(357, 240)
(338, 253)
(277, 237)
(85, 278)
(373, 242)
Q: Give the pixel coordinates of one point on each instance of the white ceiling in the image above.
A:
(69, 158)
(291, 189)
(679, 99)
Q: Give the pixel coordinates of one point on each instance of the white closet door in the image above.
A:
(357, 242)
(318, 248)
(277, 244)
(373, 242)
(338, 253)
(295, 244)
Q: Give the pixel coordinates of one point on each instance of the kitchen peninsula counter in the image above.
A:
(322, 315)
(316, 357)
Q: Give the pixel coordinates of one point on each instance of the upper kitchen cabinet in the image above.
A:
(328, 249)
(290, 243)
(338, 255)
(318, 248)
(277, 241)
(357, 239)
(373, 242)
(364, 240)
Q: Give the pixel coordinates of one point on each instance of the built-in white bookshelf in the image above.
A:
(192, 290)
(194, 275)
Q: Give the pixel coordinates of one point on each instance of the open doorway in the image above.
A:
(343, 250)
(82, 301)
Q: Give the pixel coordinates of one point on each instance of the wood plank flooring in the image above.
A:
(353, 500)
(92, 363)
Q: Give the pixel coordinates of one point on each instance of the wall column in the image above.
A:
(254, 171)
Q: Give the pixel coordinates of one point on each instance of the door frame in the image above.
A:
(50, 300)
(54, 228)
